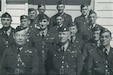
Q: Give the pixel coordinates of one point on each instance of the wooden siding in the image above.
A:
(104, 9)
(16, 10)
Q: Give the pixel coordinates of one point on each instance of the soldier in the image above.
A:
(32, 14)
(92, 24)
(67, 17)
(25, 23)
(41, 9)
(6, 32)
(42, 41)
(75, 38)
(81, 21)
(64, 58)
(59, 23)
(19, 58)
(101, 60)
(91, 45)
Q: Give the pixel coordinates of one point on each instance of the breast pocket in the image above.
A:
(27, 58)
(11, 60)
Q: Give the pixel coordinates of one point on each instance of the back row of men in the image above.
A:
(55, 46)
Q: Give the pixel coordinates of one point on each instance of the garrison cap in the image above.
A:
(40, 5)
(60, 2)
(96, 29)
(31, 9)
(63, 29)
(72, 24)
(92, 11)
(43, 16)
(6, 15)
(24, 17)
(19, 28)
(103, 30)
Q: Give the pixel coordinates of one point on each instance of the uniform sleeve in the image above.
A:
(79, 64)
(48, 62)
(52, 22)
(3, 64)
(90, 64)
(35, 63)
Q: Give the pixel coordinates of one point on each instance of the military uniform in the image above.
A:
(78, 41)
(67, 20)
(99, 64)
(64, 62)
(90, 46)
(87, 32)
(21, 60)
(42, 43)
(7, 38)
(81, 22)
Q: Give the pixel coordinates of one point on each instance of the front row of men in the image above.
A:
(60, 51)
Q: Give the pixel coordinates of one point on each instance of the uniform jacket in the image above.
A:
(16, 62)
(5, 41)
(99, 64)
(65, 63)
(42, 44)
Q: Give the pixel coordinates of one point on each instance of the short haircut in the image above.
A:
(83, 5)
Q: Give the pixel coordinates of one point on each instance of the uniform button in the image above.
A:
(106, 62)
(106, 66)
(63, 62)
(106, 70)
(18, 55)
(42, 46)
(62, 66)
(18, 65)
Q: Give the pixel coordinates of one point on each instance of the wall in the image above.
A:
(104, 9)
(16, 10)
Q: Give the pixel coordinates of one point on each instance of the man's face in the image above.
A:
(25, 22)
(20, 38)
(84, 10)
(43, 23)
(6, 22)
(96, 35)
(73, 30)
(92, 18)
(41, 10)
(59, 20)
(60, 8)
(105, 38)
(64, 36)
(32, 14)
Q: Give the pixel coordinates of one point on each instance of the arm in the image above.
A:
(35, 63)
(3, 65)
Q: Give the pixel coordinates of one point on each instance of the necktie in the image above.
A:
(72, 39)
(105, 52)
(42, 34)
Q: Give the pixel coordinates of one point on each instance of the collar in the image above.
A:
(108, 49)
(65, 46)
(8, 31)
(44, 31)
(93, 25)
